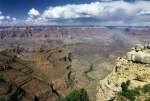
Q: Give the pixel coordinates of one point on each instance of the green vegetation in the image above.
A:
(76, 95)
(125, 85)
(129, 94)
(132, 94)
(146, 88)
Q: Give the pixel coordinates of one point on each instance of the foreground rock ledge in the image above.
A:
(135, 66)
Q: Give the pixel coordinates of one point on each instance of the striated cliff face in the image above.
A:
(55, 65)
(134, 67)
(40, 74)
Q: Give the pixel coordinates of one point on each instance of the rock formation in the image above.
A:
(140, 54)
(41, 74)
(134, 67)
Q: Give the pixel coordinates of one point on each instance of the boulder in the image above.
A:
(141, 57)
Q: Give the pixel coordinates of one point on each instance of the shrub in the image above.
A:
(129, 94)
(83, 95)
(73, 96)
(76, 95)
(146, 88)
(128, 82)
(125, 85)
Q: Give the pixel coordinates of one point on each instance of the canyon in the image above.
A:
(57, 59)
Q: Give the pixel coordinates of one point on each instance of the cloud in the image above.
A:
(14, 19)
(73, 11)
(108, 12)
(32, 15)
(102, 12)
(2, 17)
(95, 9)
(33, 12)
(8, 17)
(6, 20)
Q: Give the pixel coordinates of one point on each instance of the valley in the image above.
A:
(57, 59)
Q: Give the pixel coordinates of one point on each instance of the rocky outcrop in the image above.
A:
(133, 67)
(140, 54)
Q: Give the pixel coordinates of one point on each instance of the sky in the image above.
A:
(75, 12)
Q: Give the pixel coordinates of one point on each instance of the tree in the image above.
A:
(83, 95)
(146, 88)
(73, 96)
(76, 95)
(129, 94)
(124, 86)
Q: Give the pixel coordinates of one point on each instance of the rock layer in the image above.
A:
(127, 68)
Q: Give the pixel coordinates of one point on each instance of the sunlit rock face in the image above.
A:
(134, 67)
(140, 54)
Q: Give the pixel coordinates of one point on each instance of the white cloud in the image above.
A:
(95, 9)
(14, 19)
(2, 17)
(73, 11)
(8, 17)
(98, 12)
(33, 12)
(105, 13)
(6, 20)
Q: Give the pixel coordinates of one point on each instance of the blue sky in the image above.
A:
(69, 12)
(19, 8)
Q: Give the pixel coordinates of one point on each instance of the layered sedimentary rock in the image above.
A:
(134, 67)
(41, 74)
